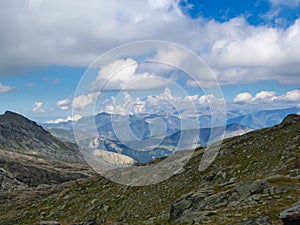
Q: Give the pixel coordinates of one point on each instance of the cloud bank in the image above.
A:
(41, 33)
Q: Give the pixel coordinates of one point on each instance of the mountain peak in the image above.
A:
(14, 115)
(19, 134)
(13, 119)
(10, 113)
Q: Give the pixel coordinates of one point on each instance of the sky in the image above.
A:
(47, 47)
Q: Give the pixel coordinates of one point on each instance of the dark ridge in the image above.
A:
(15, 118)
(19, 134)
(290, 120)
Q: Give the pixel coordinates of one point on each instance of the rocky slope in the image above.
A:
(31, 156)
(19, 171)
(22, 135)
(254, 178)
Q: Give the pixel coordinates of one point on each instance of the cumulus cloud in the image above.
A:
(166, 103)
(69, 118)
(121, 75)
(188, 106)
(243, 97)
(266, 96)
(82, 101)
(4, 88)
(293, 96)
(270, 99)
(64, 104)
(37, 107)
(258, 53)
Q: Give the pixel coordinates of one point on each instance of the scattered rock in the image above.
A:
(178, 208)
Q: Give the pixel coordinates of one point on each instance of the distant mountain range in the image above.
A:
(143, 126)
(150, 136)
(155, 147)
(263, 119)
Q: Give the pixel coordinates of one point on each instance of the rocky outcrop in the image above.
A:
(291, 216)
(9, 183)
(195, 206)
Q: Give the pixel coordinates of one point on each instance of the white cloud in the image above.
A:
(4, 88)
(293, 96)
(243, 97)
(82, 101)
(69, 118)
(265, 96)
(166, 102)
(37, 107)
(64, 104)
(269, 99)
(126, 105)
(251, 53)
(237, 51)
(121, 75)
(52, 37)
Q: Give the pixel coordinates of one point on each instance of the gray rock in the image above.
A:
(233, 197)
(291, 216)
(252, 187)
(105, 208)
(178, 208)
(49, 223)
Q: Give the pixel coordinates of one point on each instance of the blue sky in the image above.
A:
(251, 46)
(257, 12)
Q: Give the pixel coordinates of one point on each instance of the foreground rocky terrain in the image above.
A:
(255, 179)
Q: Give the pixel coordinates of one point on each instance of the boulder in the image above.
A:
(291, 216)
